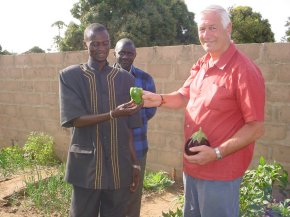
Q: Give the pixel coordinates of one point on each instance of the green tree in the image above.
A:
(35, 49)
(288, 30)
(146, 22)
(60, 26)
(4, 52)
(249, 27)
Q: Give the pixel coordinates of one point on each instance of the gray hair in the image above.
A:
(223, 14)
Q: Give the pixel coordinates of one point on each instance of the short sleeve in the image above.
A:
(251, 93)
(70, 101)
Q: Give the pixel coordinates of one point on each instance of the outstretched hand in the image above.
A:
(126, 109)
(151, 99)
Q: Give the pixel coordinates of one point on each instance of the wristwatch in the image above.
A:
(218, 154)
(138, 167)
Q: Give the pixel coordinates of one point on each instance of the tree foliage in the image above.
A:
(146, 22)
(35, 49)
(58, 39)
(288, 30)
(249, 27)
(4, 52)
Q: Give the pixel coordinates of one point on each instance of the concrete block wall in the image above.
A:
(29, 99)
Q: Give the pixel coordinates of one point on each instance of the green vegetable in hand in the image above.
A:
(136, 94)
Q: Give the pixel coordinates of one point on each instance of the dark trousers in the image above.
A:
(134, 204)
(103, 203)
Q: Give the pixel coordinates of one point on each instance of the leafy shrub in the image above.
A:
(282, 208)
(38, 149)
(256, 188)
(156, 181)
(11, 160)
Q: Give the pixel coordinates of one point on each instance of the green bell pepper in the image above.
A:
(136, 94)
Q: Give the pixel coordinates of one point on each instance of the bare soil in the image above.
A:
(153, 203)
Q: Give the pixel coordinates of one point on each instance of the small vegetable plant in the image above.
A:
(170, 213)
(178, 212)
(156, 181)
(256, 189)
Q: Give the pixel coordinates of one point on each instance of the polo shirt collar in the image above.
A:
(226, 57)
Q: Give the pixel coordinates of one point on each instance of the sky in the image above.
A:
(27, 23)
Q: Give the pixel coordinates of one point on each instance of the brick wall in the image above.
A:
(29, 99)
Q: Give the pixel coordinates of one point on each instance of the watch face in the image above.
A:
(137, 167)
(218, 153)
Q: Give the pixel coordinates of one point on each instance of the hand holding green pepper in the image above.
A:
(136, 94)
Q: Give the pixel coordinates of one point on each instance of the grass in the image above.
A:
(11, 160)
(50, 195)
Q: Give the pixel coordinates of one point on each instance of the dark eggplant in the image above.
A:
(197, 139)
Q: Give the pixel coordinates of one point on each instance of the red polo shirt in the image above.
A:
(222, 98)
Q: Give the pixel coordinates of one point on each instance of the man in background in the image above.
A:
(125, 53)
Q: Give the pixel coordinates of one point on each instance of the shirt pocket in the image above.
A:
(219, 98)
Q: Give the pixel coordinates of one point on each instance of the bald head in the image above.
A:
(97, 42)
(92, 30)
(125, 42)
(125, 53)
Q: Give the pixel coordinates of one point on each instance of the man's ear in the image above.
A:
(114, 53)
(229, 28)
(85, 45)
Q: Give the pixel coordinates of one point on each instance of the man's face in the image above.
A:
(125, 55)
(214, 38)
(98, 46)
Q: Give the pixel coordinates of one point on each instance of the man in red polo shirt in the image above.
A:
(225, 96)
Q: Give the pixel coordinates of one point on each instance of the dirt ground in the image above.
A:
(152, 203)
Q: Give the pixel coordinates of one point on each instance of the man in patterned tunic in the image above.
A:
(95, 103)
